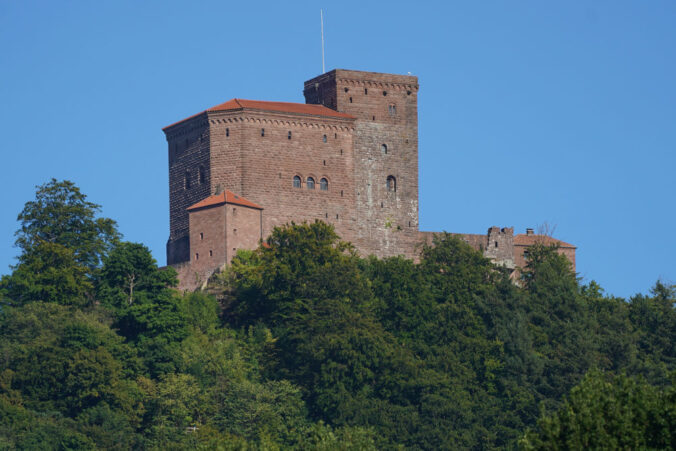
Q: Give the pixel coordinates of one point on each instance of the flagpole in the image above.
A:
(321, 16)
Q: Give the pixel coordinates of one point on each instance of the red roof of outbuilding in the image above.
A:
(280, 107)
(529, 240)
(226, 197)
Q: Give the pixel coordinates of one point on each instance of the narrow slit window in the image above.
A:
(383, 148)
(186, 181)
(366, 91)
(350, 99)
(324, 138)
(202, 176)
(262, 132)
(227, 132)
(391, 184)
(201, 235)
(289, 135)
(211, 253)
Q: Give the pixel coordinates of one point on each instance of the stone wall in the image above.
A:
(188, 150)
(385, 147)
(243, 229)
(266, 150)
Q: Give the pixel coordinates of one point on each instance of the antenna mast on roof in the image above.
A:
(321, 17)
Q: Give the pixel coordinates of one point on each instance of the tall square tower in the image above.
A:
(385, 153)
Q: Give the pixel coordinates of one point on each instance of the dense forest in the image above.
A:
(303, 344)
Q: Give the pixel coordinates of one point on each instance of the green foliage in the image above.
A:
(606, 412)
(47, 272)
(60, 214)
(301, 344)
(130, 275)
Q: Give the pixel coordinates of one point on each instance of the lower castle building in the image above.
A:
(348, 156)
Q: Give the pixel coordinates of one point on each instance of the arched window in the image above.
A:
(324, 184)
(383, 148)
(296, 181)
(186, 180)
(391, 183)
(310, 183)
(202, 178)
(324, 138)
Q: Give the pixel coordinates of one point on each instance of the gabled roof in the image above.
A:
(278, 107)
(226, 197)
(529, 240)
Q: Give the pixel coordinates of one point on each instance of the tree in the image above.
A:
(606, 412)
(47, 272)
(61, 214)
(130, 275)
(559, 321)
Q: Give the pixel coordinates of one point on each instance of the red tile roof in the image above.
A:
(281, 107)
(529, 240)
(226, 197)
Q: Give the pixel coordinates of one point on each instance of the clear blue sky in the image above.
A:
(529, 111)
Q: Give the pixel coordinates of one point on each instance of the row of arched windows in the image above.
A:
(310, 183)
(391, 183)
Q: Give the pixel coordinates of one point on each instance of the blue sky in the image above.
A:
(529, 112)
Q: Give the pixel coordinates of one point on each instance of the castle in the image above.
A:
(347, 156)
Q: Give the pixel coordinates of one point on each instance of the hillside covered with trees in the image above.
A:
(302, 344)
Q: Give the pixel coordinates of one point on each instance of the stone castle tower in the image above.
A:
(385, 154)
(348, 156)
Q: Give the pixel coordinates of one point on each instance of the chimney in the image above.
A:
(529, 232)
